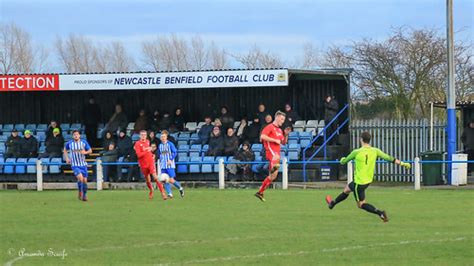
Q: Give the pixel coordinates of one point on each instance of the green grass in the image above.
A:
(231, 227)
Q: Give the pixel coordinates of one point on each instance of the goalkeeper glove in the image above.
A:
(406, 165)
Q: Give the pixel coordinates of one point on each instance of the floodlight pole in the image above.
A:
(451, 96)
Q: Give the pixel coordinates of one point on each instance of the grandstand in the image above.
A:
(32, 108)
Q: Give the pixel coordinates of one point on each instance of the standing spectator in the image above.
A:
(152, 138)
(226, 119)
(331, 107)
(291, 116)
(91, 116)
(467, 139)
(154, 150)
(165, 122)
(13, 145)
(29, 146)
(52, 125)
(252, 133)
(109, 155)
(242, 130)
(108, 138)
(141, 123)
(155, 121)
(124, 144)
(205, 132)
(216, 143)
(231, 143)
(262, 112)
(118, 121)
(54, 145)
(178, 120)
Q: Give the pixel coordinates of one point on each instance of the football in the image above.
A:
(164, 178)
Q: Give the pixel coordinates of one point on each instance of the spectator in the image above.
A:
(216, 143)
(231, 143)
(29, 146)
(118, 121)
(154, 150)
(124, 144)
(91, 117)
(52, 125)
(13, 145)
(291, 116)
(245, 154)
(155, 121)
(133, 170)
(178, 120)
(54, 145)
(141, 123)
(467, 139)
(252, 133)
(268, 120)
(165, 122)
(108, 138)
(242, 130)
(262, 113)
(152, 137)
(331, 107)
(109, 155)
(205, 132)
(226, 119)
(217, 123)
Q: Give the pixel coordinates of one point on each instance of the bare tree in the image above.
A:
(311, 58)
(218, 58)
(17, 53)
(255, 58)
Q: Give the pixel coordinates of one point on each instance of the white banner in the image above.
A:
(174, 80)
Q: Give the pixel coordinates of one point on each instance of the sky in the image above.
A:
(280, 26)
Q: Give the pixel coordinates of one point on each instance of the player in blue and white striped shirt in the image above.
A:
(167, 153)
(79, 149)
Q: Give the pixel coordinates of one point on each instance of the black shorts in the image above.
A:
(359, 190)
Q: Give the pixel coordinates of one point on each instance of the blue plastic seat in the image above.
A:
(207, 168)
(9, 169)
(305, 142)
(1, 164)
(182, 142)
(7, 127)
(182, 168)
(257, 147)
(184, 136)
(183, 148)
(65, 126)
(20, 127)
(55, 169)
(195, 168)
(31, 127)
(31, 169)
(194, 137)
(135, 137)
(42, 127)
(21, 169)
(76, 126)
(44, 162)
(216, 166)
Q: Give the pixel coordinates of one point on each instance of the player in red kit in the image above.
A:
(272, 137)
(147, 163)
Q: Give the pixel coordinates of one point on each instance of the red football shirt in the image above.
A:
(144, 157)
(273, 132)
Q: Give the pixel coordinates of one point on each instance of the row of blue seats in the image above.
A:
(29, 169)
(39, 127)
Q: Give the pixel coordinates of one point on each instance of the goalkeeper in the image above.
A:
(365, 158)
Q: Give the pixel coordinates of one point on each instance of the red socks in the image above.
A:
(160, 186)
(265, 184)
(150, 187)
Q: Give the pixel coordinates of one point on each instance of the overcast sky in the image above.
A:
(281, 26)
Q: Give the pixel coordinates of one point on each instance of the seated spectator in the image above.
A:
(291, 116)
(141, 123)
(178, 120)
(54, 145)
(252, 133)
(118, 121)
(217, 123)
(226, 119)
(152, 138)
(109, 155)
(268, 120)
(262, 112)
(155, 121)
(245, 154)
(13, 145)
(216, 143)
(242, 130)
(205, 132)
(52, 125)
(165, 122)
(108, 138)
(231, 143)
(133, 170)
(154, 150)
(124, 144)
(29, 146)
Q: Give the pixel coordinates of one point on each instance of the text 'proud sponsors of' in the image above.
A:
(29, 82)
(175, 80)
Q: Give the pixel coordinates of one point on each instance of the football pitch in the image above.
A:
(232, 227)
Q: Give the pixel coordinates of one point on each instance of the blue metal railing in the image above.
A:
(326, 140)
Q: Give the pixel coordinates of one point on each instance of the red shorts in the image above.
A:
(271, 160)
(148, 168)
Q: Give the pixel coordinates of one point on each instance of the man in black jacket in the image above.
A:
(91, 116)
(28, 146)
(13, 145)
(252, 133)
(331, 107)
(231, 143)
(124, 144)
(216, 143)
(54, 145)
